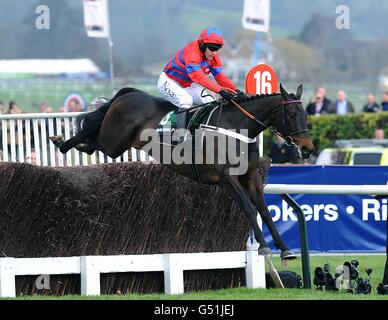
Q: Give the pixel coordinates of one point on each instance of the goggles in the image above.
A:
(213, 46)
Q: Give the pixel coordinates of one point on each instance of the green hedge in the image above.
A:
(325, 129)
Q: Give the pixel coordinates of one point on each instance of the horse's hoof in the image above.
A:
(264, 251)
(57, 139)
(287, 255)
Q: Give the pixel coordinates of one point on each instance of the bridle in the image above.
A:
(287, 136)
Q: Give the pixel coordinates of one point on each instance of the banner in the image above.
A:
(256, 15)
(96, 18)
(335, 223)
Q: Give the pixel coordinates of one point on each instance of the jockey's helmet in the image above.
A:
(211, 35)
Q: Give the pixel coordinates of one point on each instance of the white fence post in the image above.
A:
(7, 278)
(255, 270)
(90, 276)
(173, 274)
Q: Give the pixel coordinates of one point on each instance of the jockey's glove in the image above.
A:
(226, 94)
(240, 94)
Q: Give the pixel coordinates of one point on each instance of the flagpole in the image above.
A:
(111, 66)
(256, 61)
(110, 49)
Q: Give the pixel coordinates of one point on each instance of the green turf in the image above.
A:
(376, 262)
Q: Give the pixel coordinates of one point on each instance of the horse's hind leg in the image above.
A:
(253, 185)
(85, 147)
(65, 146)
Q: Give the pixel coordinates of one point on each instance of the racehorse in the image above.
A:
(118, 125)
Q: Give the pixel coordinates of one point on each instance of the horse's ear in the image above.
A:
(299, 91)
(283, 92)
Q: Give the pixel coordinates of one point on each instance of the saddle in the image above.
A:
(194, 118)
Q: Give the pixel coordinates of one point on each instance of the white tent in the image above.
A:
(48, 66)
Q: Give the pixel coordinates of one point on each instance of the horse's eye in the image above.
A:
(292, 114)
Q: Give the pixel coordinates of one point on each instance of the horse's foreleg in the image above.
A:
(252, 183)
(237, 192)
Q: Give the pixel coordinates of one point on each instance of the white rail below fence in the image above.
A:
(25, 138)
(173, 266)
(326, 189)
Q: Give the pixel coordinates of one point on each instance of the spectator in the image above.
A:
(379, 134)
(44, 108)
(379, 131)
(384, 104)
(32, 158)
(371, 105)
(13, 108)
(280, 152)
(74, 106)
(342, 106)
(326, 101)
(2, 107)
(318, 106)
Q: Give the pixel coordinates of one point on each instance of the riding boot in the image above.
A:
(181, 124)
(181, 119)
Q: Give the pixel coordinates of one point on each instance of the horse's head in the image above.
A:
(292, 123)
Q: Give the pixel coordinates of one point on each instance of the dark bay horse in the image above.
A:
(118, 125)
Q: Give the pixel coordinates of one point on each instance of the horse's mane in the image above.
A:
(250, 97)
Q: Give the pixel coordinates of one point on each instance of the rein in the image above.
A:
(288, 136)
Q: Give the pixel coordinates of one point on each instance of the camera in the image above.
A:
(352, 269)
(363, 286)
(346, 278)
(382, 289)
(323, 278)
(355, 283)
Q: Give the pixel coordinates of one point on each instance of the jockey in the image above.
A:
(185, 75)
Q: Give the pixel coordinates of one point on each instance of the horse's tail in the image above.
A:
(89, 123)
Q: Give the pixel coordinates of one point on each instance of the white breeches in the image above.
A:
(182, 97)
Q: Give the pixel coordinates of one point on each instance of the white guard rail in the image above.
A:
(173, 266)
(325, 189)
(25, 138)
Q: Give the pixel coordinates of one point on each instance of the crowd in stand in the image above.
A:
(320, 104)
(13, 108)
